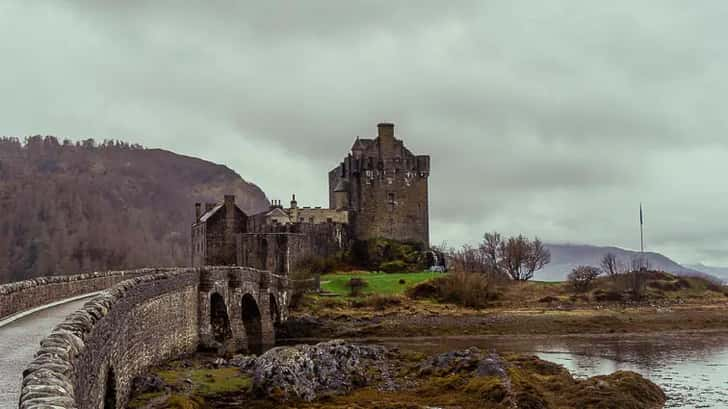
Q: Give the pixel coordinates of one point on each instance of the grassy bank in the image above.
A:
(376, 283)
(668, 304)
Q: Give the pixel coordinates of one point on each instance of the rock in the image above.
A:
(471, 360)
(244, 362)
(219, 362)
(308, 371)
(148, 384)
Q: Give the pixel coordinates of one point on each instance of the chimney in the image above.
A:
(385, 130)
(294, 203)
(230, 206)
(198, 210)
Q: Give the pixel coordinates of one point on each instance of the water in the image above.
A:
(692, 368)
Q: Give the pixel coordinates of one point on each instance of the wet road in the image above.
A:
(19, 341)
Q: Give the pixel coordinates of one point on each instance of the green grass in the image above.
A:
(208, 381)
(377, 283)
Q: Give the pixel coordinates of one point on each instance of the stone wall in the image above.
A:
(90, 360)
(25, 295)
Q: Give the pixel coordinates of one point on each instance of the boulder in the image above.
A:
(148, 384)
(471, 360)
(308, 371)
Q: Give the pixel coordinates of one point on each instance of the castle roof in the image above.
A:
(211, 212)
(277, 212)
(342, 186)
(362, 144)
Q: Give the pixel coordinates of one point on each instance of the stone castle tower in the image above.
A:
(384, 187)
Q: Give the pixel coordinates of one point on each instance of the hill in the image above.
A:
(720, 272)
(68, 207)
(564, 257)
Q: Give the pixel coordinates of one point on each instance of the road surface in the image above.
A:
(19, 340)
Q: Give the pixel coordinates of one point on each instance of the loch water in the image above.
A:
(691, 367)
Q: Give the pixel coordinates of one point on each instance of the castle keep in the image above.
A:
(379, 190)
(384, 187)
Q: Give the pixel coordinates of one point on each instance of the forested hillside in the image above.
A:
(80, 207)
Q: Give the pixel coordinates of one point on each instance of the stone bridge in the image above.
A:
(90, 359)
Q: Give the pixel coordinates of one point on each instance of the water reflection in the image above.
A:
(692, 368)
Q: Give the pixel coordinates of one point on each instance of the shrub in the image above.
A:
(373, 253)
(355, 286)
(316, 265)
(467, 289)
(581, 277)
(607, 296)
(396, 266)
(423, 290)
(377, 301)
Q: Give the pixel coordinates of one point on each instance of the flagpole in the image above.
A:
(642, 232)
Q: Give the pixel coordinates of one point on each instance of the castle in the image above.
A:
(379, 190)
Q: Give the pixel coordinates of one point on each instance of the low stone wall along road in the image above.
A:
(19, 342)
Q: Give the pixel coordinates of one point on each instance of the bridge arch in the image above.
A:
(219, 319)
(167, 312)
(252, 323)
(110, 389)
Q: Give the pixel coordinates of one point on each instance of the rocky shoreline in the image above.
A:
(338, 374)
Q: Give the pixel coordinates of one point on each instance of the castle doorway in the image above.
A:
(219, 320)
(252, 324)
(110, 391)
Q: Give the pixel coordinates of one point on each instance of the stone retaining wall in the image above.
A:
(25, 295)
(90, 360)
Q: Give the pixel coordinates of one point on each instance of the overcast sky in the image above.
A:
(547, 118)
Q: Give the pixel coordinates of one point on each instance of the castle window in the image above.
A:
(329, 220)
(390, 197)
(310, 220)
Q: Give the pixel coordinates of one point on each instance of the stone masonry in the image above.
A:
(385, 188)
(379, 190)
(90, 360)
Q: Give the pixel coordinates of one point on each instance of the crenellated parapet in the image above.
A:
(90, 359)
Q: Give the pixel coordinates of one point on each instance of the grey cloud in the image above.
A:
(552, 119)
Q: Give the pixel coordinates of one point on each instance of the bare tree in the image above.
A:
(490, 248)
(640, 263)
(581, 277)
(521, 257)
(538, 257)
(610, 264)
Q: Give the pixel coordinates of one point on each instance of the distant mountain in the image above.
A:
(68, 208)
(719, 272)
(564, 257)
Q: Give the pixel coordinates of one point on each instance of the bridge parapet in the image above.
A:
(25, 295)
(93, 356)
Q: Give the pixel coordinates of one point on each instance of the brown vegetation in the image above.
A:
(464, 379)
(472, 290)
(515, 258)
(581, 277)
(67, 208)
